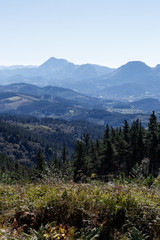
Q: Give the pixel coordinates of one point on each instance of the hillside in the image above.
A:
(56, 102)
(22, 136)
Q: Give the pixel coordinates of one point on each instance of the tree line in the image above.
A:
(119, 150)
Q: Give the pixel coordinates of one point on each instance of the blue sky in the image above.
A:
(104, 32)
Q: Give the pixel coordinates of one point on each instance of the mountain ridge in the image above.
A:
(135, 78)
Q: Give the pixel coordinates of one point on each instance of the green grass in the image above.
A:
(80, 211)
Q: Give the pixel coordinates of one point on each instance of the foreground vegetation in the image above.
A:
(49, 209)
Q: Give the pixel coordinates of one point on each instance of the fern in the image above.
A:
(135, 234)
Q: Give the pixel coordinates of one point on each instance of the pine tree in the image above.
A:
(126, 130)
(106, 135)
(78, 160)
(107, 156)
(134, 148)
(141, 145)
(152, 124)
(40, 163)
(122, 153)
(152, 143)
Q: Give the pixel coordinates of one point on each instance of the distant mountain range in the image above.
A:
(53, 71)
(130, 81)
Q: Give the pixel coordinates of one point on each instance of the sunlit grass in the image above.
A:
(13, 99)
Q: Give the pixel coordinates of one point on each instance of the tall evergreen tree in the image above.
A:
(40, 163)
(126, 130)
(152, 142)
(79, 160)
(106, 135)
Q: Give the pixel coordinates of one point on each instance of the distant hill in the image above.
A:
(147, 104)
(135, 71)
(51, 91)
(85, 71)
(56, 102)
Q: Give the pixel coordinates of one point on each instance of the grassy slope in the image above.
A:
(114, 209)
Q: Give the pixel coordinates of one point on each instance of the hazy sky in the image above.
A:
(105, 32)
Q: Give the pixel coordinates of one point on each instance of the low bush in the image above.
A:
(80, 211)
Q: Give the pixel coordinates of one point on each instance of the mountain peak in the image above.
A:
(131, 72)
(135, 64)
(157, 67)
(53, 60)
(85, 71)
(135, 67)
(54, 64)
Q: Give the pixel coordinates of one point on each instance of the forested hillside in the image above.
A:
(22, 136)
